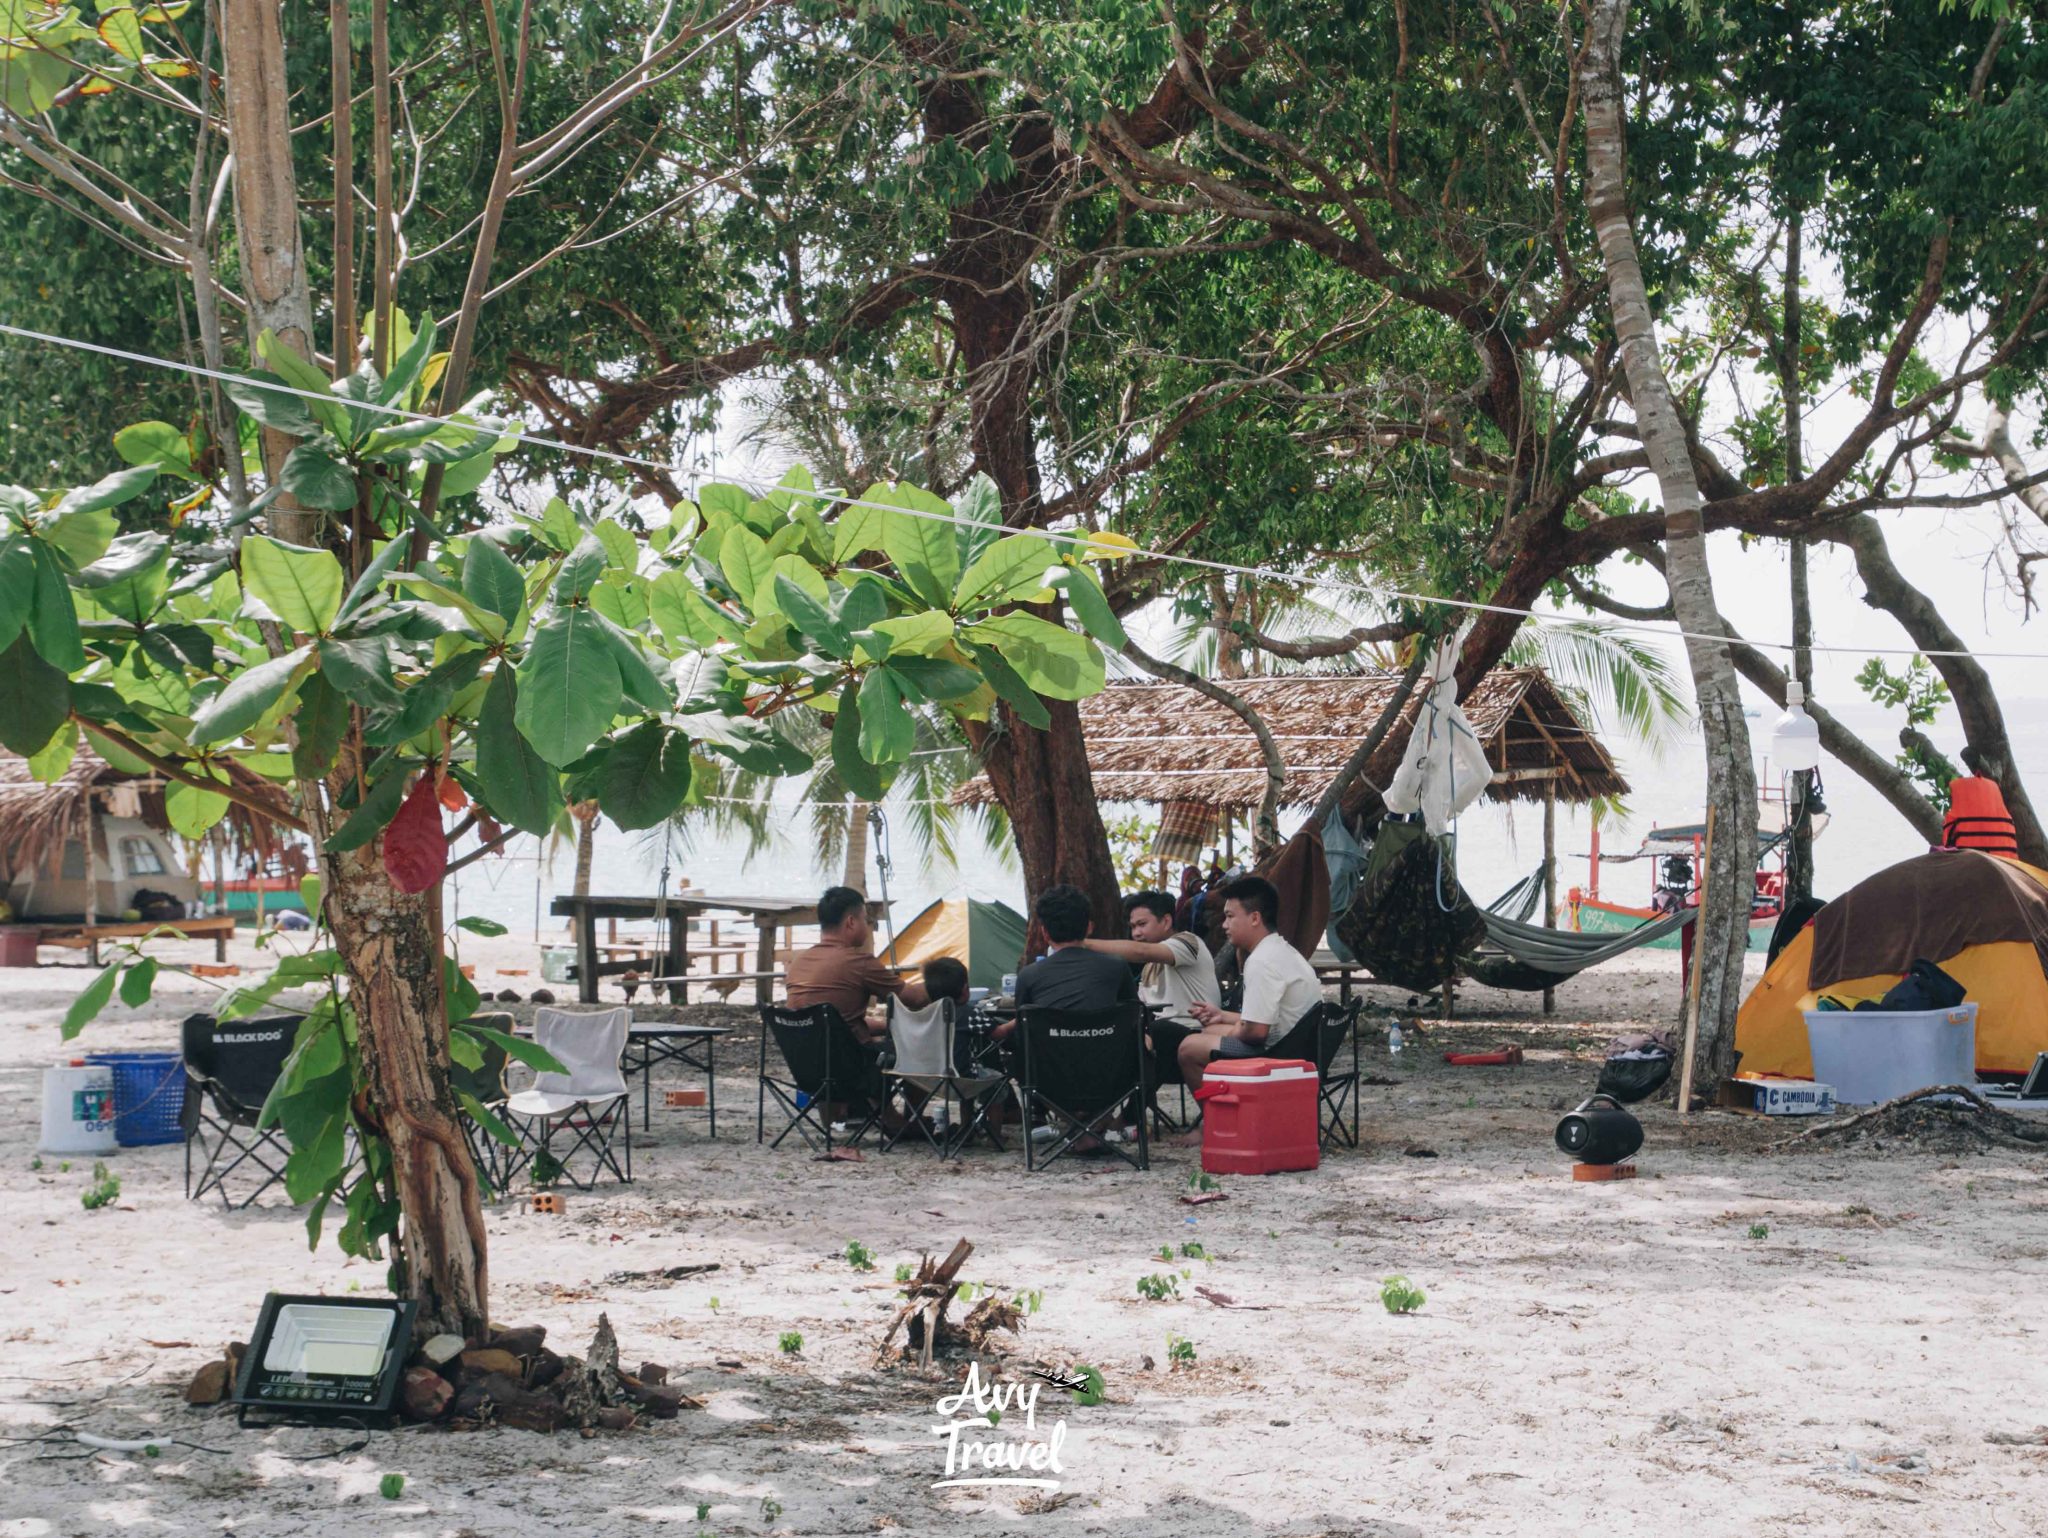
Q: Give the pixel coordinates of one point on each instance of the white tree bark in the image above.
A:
(1728, 883)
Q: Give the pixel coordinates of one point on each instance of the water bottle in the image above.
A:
(1394, 1039)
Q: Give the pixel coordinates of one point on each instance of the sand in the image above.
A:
(1739, 1341)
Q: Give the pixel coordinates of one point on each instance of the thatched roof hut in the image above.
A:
(1164, 743)
(37, 820)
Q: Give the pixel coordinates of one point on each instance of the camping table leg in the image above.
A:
(586, 955)
(764, 958)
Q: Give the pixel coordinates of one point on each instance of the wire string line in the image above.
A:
(1383, 595)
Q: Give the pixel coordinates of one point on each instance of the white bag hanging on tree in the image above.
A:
(1444, 768)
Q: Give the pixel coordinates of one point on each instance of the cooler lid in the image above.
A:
(1260, 1068)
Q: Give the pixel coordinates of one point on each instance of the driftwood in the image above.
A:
(1927, 1109)
(927, 1295)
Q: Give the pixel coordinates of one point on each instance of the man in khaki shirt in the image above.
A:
(841, 969)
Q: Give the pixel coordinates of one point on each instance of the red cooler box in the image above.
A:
(1259, 1116)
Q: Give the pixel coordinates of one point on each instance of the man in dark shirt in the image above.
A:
(1072, 976)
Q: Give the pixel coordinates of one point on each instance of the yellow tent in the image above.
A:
(988, 937)
(2003, 978)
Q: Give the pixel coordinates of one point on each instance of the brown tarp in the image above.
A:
(1932, 906)
(1304, 882)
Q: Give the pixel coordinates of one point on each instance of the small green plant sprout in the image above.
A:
(546, 1169)
(859, 1256)
(995, 1416)
(1028, 1302)
(771, 1508)
(903, 1272)
(1193, 1250)
(1759, 1230)
(391, 1486)
(703, 1511)
(714, 1303)
(1202, 1180)
(36, 1163)
(1091, 1390)
(791, 1342)
(1180, 1353)
(104, 1191)
(1159, 1286)
(64, 1168)
(1401, 1296)
(1166, 1252)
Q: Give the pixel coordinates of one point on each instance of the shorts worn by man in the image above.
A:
(841, 969)
(1279, 984)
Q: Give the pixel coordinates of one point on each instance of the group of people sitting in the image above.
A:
(1169, 970)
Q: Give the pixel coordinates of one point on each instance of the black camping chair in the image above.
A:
(1319, 1037)
(229, 1071)
(826, 1065)
(1085, 1070)
(485, 1084)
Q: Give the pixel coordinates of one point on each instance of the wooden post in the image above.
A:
(1692, 1003)
(764, 957)
(92, 876)
(1549, 874)
(586, 952)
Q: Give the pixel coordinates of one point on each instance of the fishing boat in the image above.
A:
(266, 888)
(1677, 854)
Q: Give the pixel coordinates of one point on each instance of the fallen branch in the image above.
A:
(2002, 1123)
(926, 1297)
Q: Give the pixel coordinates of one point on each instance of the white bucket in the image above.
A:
(78, 1110)
(1873, 1054)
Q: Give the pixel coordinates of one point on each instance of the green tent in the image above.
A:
(987, 936)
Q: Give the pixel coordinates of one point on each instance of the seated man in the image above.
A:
(1071, 976)
(1178, 973)
(841, 969)
(1279, 984)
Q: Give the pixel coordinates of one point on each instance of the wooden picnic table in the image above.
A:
(220, 927)
(767, 913)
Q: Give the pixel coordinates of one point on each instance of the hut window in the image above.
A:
(141, 858)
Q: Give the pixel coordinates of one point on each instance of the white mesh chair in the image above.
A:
(589, 1101)
(930, 1060)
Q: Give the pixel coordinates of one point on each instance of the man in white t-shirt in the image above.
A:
(1179, 972)
(1279, 984)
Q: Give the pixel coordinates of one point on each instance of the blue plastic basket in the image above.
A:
(149, 1096)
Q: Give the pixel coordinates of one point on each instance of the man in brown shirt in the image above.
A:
(841, 969)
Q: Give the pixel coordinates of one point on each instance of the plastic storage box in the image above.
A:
(1871, 1055)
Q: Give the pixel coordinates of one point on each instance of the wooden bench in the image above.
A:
(88, 936)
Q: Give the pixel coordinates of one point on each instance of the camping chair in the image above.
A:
(1085, 1070)
(486, 1085)
(589, 1100)
(826, 1065)
(1319, 1036)
(229, 1072)
(932, 1059)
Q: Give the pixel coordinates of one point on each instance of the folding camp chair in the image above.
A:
(485, 1084)
(1319, 1037)
(931, 1058)
(1085, 1070)
(229, 1072)
(827, 1066)
(589, 1100)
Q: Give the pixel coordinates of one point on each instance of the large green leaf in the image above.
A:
(645, 776)
(489, 578)
(1010, 688)
(425, 701)
(1091, 607)
(1014, 565)
(518, 787)
(258, 395)
(1051, 659)
(378, 807)
(52, 618)
(192, 811)
(17, 588)
(813, 620)
(743, 557)
(35, 699)
(859, 528)
(684, 615)
(380, 566)
(247, 696)
(637, 677)
(887, 727)
(569, 687)
(301, 375)
(980, 508)
(578, 574)
(47, 765)
(620, 548)
(154, 443)
(360, 667)
(108, 491)
(322, 721)
(936, 678)
(129, 581)
(860, 776)
(86, 1007)
(81, 537)
(920, 541)
(297, 587)
(318, 479)
(915, 635)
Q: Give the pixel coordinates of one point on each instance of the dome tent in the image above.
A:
(987, 936)
(1982, 919)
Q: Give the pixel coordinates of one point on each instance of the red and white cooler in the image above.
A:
(1259, 1116)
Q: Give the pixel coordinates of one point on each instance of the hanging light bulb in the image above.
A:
(1795, 739)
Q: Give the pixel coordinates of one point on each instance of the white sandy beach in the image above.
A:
(1618, 1358)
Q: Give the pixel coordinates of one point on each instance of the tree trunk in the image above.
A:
(1266, 820)
(268, 248)
(1042, 780)
(1729, 883)
(390, 942)
(586, 845)
(854, 869)
(1799, 851)
(1989, 750)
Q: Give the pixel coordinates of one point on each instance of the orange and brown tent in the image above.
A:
(1982, 918)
